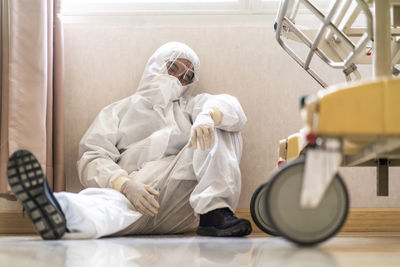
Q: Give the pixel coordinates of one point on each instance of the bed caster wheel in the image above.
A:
(303, 226)
(258, 210)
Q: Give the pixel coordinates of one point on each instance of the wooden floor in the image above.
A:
(346, 234)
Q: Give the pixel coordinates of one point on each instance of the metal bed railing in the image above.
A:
(333, 33)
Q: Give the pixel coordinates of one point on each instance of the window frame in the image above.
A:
(172, 7)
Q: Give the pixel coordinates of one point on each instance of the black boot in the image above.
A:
(222, 222)
(29, 184)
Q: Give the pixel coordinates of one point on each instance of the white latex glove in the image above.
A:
(141, 196)
(202, 131)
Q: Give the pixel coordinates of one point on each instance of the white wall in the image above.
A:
(105, 56)
(239, 55)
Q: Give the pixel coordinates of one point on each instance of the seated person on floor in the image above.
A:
(157, 162)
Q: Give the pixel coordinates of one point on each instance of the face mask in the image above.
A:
(178, 90)
(179, 63)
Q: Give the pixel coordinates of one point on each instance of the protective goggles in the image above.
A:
(182, 72)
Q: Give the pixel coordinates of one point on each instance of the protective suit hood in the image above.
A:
(156, 84)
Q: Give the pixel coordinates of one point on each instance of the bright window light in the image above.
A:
(102, 7)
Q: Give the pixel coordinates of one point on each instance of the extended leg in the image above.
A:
(93, 213)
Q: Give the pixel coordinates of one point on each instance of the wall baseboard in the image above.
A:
(15, 222)
(359, 220)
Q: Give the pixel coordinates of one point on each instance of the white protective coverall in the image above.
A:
(145, 137)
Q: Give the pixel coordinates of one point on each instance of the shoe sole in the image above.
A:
(26, 179)
(241, 229)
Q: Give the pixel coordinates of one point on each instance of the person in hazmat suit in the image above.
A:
(157, 162)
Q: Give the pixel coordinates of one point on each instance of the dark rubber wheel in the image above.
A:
(304, 226)
(258, 210)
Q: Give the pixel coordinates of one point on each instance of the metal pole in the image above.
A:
(382, 177)
(382, 56)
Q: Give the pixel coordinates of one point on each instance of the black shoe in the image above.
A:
(222, 222)
(29, 184)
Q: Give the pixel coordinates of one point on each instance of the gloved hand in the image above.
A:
(141, 196)
(202, 131)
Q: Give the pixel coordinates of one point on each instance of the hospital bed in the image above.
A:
(350, 124)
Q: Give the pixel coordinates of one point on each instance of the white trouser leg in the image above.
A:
(175, 182)
(96, 212)
(218, 186)
(218, 174)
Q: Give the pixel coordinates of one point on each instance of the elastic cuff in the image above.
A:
(118, 182)
(217, 116)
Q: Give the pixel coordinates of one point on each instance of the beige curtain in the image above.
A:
(31, 91)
